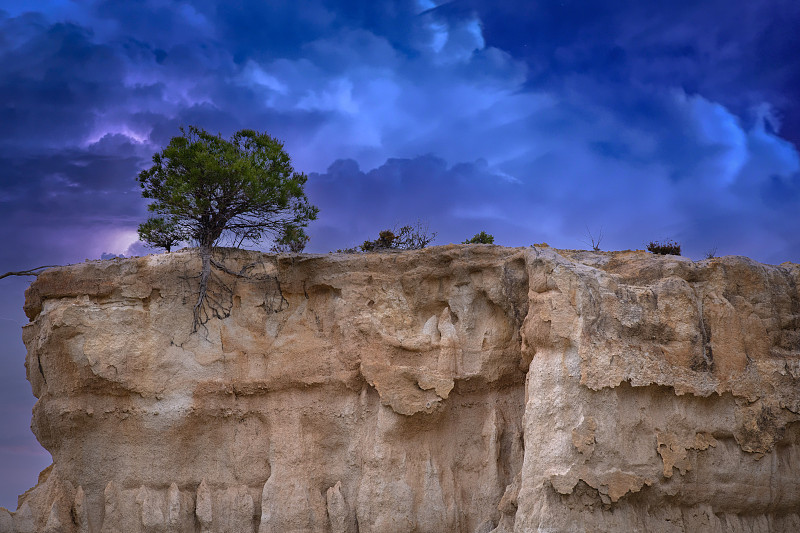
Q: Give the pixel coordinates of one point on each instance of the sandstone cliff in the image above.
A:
(459, 388)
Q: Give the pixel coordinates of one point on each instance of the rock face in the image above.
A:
(458, 388)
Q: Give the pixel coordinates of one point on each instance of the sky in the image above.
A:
(535, 121)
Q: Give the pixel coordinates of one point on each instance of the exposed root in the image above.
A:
(215, 295)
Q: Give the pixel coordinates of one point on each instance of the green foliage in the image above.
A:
(668, 247)
(160, 232)
(293, 240)
(243, 188)
(386, 240)
(210, 188)
(407, 238)
(480, 238)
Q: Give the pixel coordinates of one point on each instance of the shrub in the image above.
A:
(385, 241)
(480, 238)
(668, 247)
(407, 238)
(414, 237)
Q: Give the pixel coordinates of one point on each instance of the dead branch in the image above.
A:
(30, 272)
(595, 241)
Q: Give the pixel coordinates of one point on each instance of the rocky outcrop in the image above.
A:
(458, 388)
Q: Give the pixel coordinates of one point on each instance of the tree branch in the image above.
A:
(31, 272)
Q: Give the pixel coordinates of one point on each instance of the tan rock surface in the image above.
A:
(459, 388)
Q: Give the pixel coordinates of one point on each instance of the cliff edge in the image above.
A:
(468, 388)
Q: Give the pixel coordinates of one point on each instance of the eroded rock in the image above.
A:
(457, 388)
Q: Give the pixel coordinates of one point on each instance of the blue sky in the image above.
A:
(532, 121)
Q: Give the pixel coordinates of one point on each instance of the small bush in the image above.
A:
(407, 238)
(480, 238)
(668, 247)
(386, 241)
(414, 237)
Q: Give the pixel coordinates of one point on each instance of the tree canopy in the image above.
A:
(208, 188)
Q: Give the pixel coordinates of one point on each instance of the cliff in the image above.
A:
(458, 388)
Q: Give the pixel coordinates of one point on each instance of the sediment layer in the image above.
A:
(464, 388)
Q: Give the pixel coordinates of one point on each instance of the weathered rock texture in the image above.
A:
(460, 388)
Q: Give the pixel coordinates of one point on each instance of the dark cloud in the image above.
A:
(740, 55)
(267, 30)
(66, 183)
(50, 82)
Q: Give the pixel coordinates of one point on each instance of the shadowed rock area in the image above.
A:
(468, 388)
